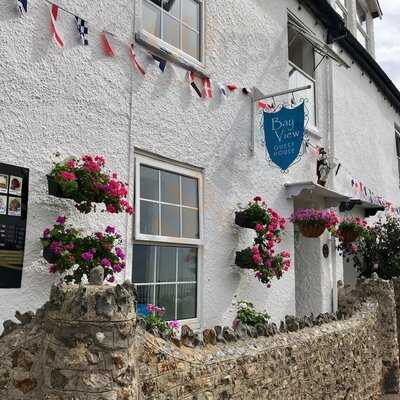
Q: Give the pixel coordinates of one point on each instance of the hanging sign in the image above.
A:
(13, 213)
(284, 135)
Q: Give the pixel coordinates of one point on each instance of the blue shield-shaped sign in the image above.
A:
(284, 135)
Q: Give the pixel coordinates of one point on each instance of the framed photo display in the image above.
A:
(14, 185)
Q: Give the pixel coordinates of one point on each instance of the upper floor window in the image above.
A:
(397, 138)
(178, 23)
(362, 33)
(302, 69)
(341, 8)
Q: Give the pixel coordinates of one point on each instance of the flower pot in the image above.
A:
(244, 259)
(54, 187)
(349, 236)
(312, 230)
(242, 220)
(48, 255)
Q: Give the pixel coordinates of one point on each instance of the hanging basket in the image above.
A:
(242, 220)
(350, 236)
(312, 230)
(244, 259)
(48, 255)
(54, 187)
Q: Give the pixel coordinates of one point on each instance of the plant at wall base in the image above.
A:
(73, 255)
(154, 321)
(255, 213)
(261, 257)
(248, 315)
(312, 223)
(86, 182)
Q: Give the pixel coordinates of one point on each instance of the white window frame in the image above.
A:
(168, 167)
(343, 9)
(360, 28)
(156, 240)
(182, 58)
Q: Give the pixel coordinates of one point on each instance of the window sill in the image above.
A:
(313, 132)
(163, 49)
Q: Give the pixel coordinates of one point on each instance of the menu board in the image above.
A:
(14, 184)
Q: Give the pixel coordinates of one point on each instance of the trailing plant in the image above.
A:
(248, 315)
(73, 255)
(154, 320)
(261, 257)
(87, 183)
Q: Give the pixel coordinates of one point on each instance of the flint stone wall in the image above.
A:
(85, 344)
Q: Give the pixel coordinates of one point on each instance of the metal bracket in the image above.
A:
(255, 96)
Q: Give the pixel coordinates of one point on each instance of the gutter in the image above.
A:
(337, 32)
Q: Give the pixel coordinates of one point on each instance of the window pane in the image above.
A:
(166, 297)
(189, 192)
(143, 263)
(173, 7)
(149, 218)
(170, 192)
(187, 264)
(191, 13)
(170, 221)
(187, 301)
(190, 42)
(301, 52)
(145, 296)
(151, 18)
(166, 264)
(148, 183)
(190, 223)
(171, 31)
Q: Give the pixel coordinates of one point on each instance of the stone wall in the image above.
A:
(85, 344)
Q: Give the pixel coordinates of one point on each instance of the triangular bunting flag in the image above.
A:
(231, 87)
(222, 89)
(56, 34)
(83, 30)
(179, 72)
(191, 76)
(22, 6)
(135, 61)
(161, 62)
(106, 45)
(207, 88)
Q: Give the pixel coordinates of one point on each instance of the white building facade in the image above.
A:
(188, 160)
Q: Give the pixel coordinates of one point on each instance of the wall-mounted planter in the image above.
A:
(54, 188)
(48, 255)
(244, 258)
(350, 236)
(242, 220)
(312, 230)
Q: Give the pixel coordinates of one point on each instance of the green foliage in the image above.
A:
(248, 315)
(378, 250)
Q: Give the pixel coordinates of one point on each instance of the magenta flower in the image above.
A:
(111, 279)
(52, 269)
(259, 228)
(68, 176)
(99, 235)
(56, 247)
(120, 253)
(87, 256)
(61, 220)
(174, 324)
(46, 233)
(105, 262)
(110, 229)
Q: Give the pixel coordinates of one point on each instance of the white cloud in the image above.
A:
(387, 39)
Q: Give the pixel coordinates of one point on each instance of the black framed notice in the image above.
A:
(14, 184)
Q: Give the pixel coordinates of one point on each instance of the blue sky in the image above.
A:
(387, 38)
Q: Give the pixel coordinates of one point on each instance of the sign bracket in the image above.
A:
(255, 96)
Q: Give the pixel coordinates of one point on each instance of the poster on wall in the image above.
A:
(14, 184)
(283, 131)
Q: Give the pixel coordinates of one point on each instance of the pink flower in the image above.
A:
(72, 164)
(259, 228)
(285, 254)
(257, 199)
(129, 210)
(69, 246)
(52, 269)
(88, 256)
(68, 176)
(120, 253)
(99, 235)
(150, 308)
(105, 262)
(56, 247)
(117, 268)
(110, 229)
(61, 220)
(46, 233)
(111, 279)
(174, 324)
(111, 208)
(114, 175)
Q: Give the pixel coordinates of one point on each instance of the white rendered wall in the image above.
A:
(75, 101)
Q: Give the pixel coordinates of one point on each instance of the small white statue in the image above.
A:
(323, 167)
